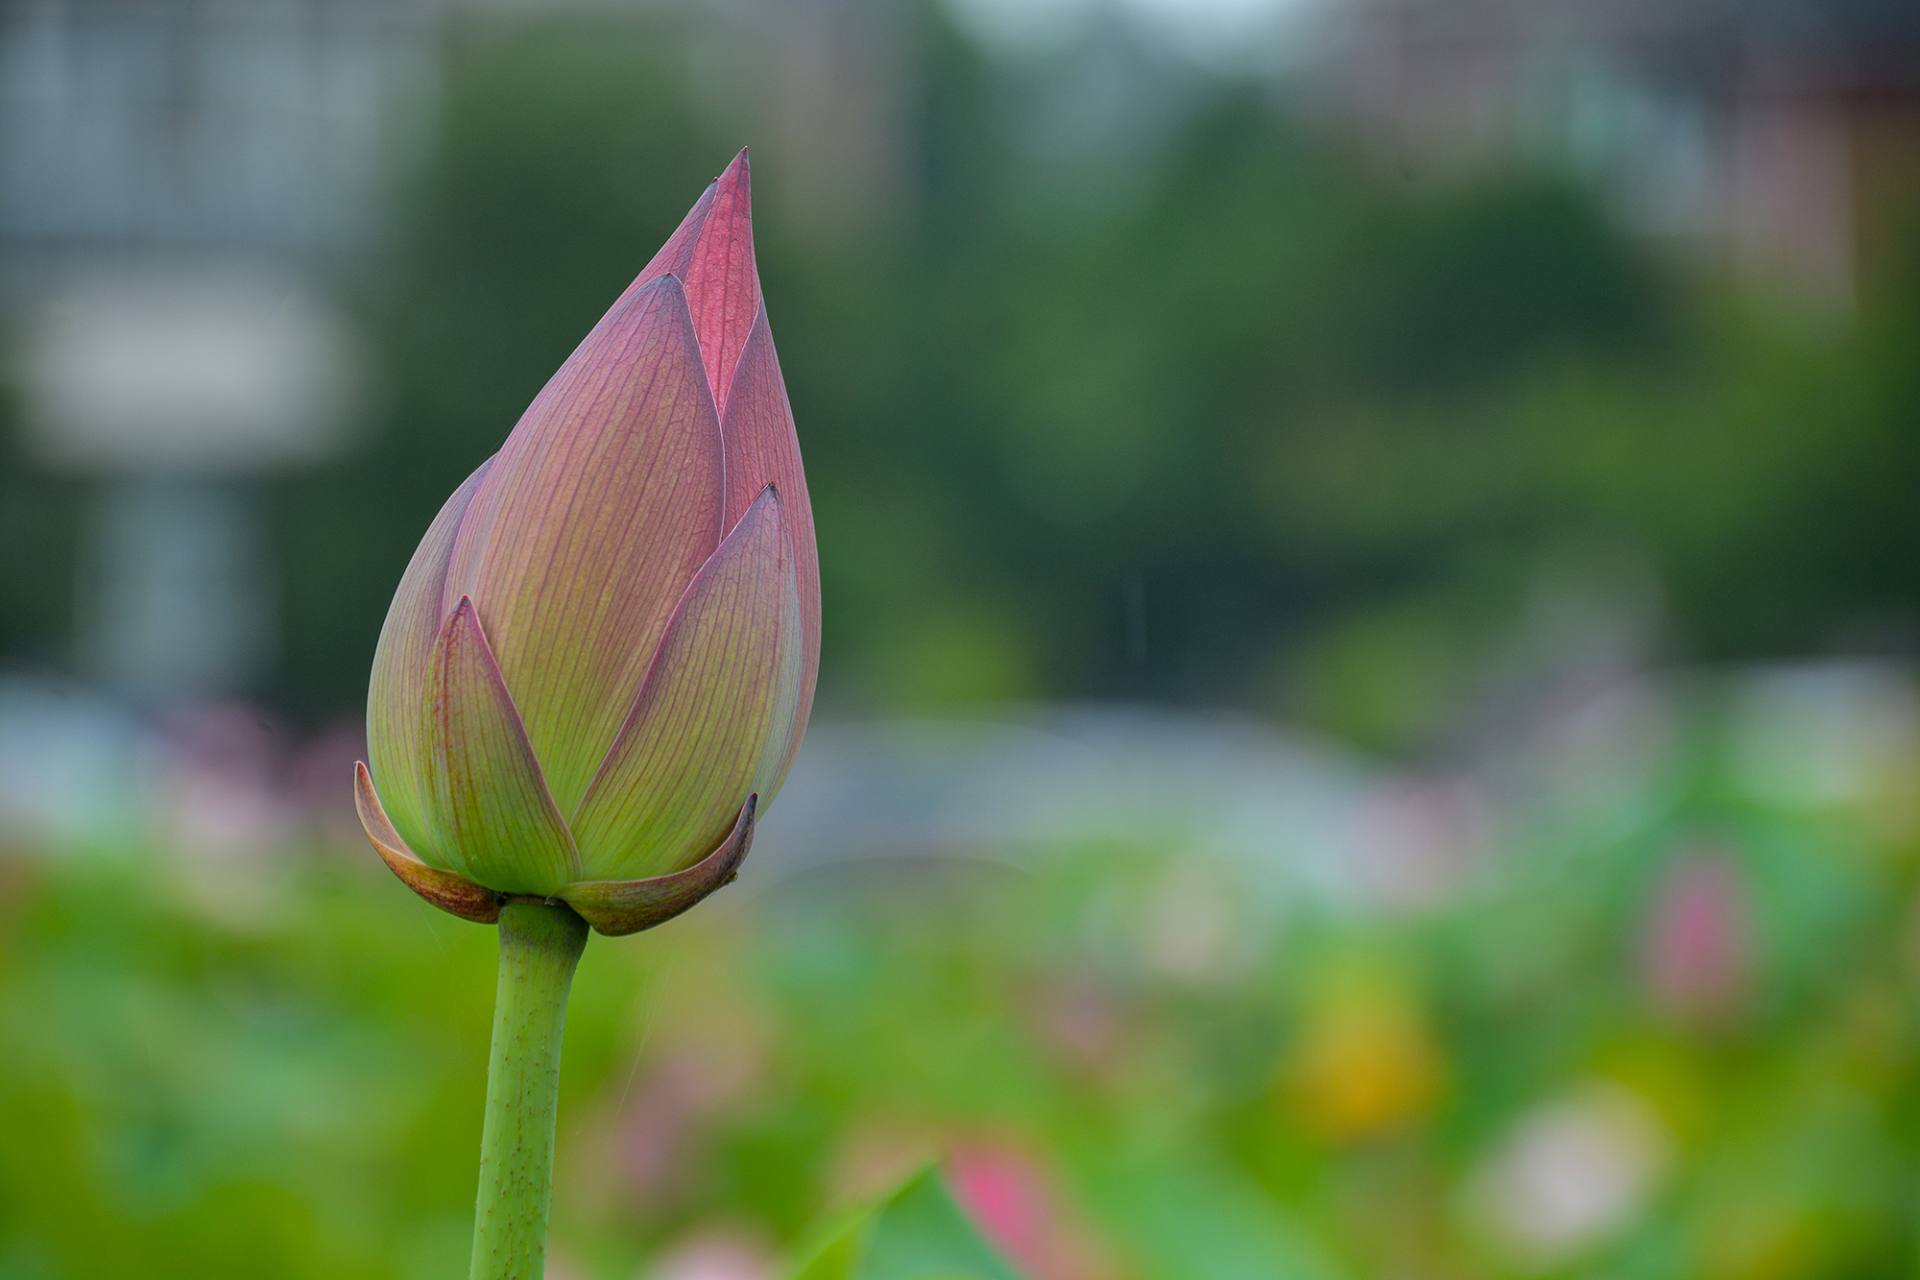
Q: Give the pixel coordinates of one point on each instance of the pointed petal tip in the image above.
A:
(772, 496)
(734, 187)
(618, 907)
(666, 289)
(443, 889)
(651, 281)
(723, 285)
(771, 505)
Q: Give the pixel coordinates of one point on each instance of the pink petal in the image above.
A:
(601, 505)
(763, 448)
(701, 733)
(399, 681)
(712, 253)
(676, 255)
(488, 803)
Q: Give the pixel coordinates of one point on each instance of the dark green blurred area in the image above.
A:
(1209, 407)
(1197, 421)
(1194, 424)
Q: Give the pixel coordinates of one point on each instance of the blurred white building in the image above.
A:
(173, 176)
(176, 179)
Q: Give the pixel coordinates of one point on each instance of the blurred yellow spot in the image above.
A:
(1756, 1241)
(1363, 1067)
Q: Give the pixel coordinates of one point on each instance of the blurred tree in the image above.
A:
(40, 527)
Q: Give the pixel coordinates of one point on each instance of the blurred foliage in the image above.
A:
(1211, 409)
(1230, 412)
(1204, 419)
(1679, 1044)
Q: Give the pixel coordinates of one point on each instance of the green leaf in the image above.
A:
(917, 1233)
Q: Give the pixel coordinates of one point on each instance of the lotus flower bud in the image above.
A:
(598, 665)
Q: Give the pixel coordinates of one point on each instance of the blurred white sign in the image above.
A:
(185, 370)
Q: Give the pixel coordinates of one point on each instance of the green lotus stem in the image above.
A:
(539, 947)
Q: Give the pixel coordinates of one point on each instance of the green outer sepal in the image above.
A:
(445, 890)
(617, 907)
(613, 907)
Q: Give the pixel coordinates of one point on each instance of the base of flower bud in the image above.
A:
(612, 907)
(617, 907)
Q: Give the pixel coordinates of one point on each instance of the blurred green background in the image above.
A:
(1368, 721)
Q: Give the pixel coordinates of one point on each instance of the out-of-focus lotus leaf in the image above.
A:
(917, 1233)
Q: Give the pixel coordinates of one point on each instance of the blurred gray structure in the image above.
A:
(177, 180)
(1778, 138)
(173, 175)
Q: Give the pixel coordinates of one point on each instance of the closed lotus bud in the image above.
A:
(598, 665)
